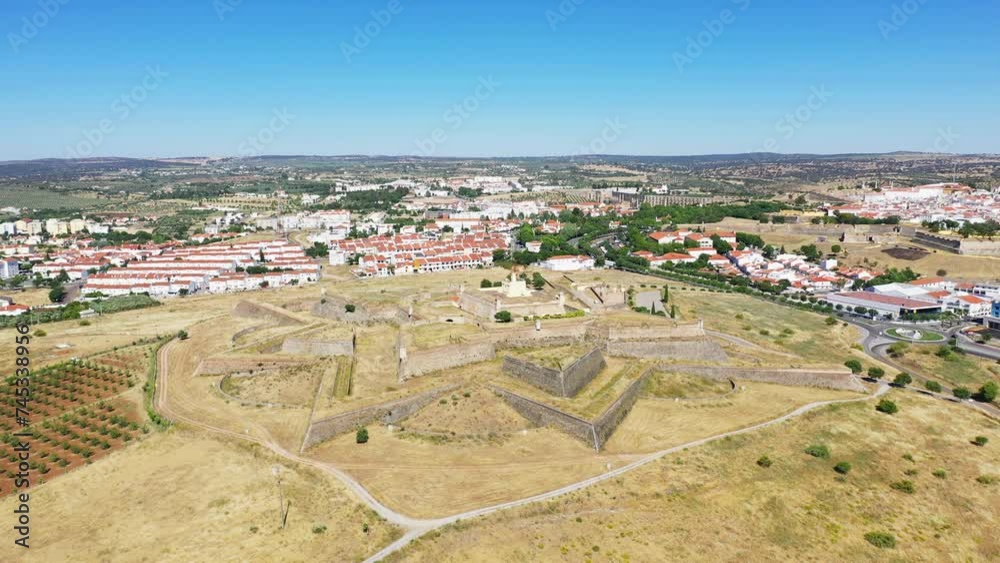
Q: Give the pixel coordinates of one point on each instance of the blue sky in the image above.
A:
(209, 77)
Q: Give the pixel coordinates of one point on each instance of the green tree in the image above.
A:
(537, 281)
(980, 441)
(962, 393)
(503, 317)
(902, 380)
(361, 436)
(855, 366)
(886, 406)
(57, 293)
(933, 386)
(988, 392)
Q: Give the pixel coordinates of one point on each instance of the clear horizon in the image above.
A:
(457, 80)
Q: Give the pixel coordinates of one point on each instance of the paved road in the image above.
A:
(876, 344)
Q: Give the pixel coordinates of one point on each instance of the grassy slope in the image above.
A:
(715, 504)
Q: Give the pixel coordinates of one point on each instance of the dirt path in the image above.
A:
(414, 527)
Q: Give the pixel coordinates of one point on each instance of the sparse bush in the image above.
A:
(987, 479)
(818, 450)
(881, 540)
(904, 486)
(980, 441)
(319, 529)
(843, 468)
(764, 461)
(940, 473)
(40, 333)
(886, 406)
(362, 435)
(961, 393)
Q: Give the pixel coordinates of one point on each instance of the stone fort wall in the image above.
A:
(612, 417)
(826, 378)
(685, 350)
(441, 358)
(321, 348)
(544, 415)
(386, 413)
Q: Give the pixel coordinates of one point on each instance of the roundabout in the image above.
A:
(914, 335)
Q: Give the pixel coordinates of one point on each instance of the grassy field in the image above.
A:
(774, 327)
(183, 497)
(955, 369)
(295, 385)
(956, 266)
(684, 386)
(429, 477)
(657, 424)
(716, 503)
(37, 198)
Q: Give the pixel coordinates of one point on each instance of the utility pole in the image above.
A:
(282, 510)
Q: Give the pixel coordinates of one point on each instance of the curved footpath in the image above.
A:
(414, 527)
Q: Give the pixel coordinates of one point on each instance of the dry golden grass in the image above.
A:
(773, 327)
(294, 386)
(716, 504)
(958, 369)
(197, 397)
(472, 412)
(184, 497)
(441, 334)
(655, 425)
(425, 477)
(960, 267)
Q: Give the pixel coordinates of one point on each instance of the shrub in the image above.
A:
(319, 529)
(843, 468)
(764, 461)
(940, 473)
(904, 486)
(876, 373)
(987, 479)
(980, 441)
(362, 435)
(40, 333)
(961, 393)
(903, 379)
(350, 308)
(933, 386)
(988, 392)
(818, 450)
(887, 406)
(881, 540)
(855, 366)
